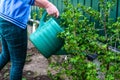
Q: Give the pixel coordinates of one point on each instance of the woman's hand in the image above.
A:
(50, 8)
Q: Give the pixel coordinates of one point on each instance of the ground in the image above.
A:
(35, 68)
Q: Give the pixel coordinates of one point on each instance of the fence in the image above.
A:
(115, 12)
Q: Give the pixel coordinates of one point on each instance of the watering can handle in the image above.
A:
(42, 20)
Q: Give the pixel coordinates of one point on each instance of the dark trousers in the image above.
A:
(14, 47)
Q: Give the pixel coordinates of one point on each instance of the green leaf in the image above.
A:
(24, 79)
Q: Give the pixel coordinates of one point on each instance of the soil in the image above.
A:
(35, 67)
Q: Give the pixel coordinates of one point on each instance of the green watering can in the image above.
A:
(45, 37)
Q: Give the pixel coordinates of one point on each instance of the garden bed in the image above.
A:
(35, 67)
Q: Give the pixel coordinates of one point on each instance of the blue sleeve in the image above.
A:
(31, 2)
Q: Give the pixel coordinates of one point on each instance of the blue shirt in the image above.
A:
(16, 11)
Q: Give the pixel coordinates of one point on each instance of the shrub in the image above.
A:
(83, 37)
